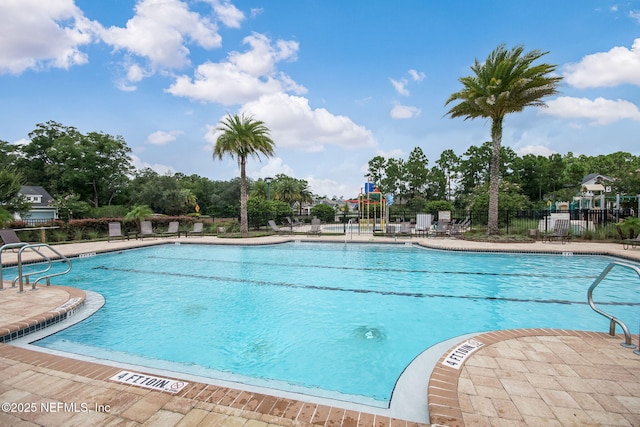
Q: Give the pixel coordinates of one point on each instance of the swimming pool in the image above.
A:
(342, 320)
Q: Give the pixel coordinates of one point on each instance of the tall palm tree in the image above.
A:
(506, 82)
(243, 137)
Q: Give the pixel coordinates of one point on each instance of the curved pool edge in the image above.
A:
(408, 400)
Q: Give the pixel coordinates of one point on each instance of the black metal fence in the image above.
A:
(587, 223)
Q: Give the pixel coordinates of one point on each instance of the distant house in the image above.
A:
(41, 208)
(592, 191)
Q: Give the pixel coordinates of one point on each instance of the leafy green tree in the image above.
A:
(473, 167)
(292, 191)
(416, 173)
(260, 190)
(163, 194)
(138, 214)
(225, 199)
(511, 197)
(285, 189)
(448, 164)
(10, 198)
(438, 205)
(506, 82)
(35, 157)
(324, 212)
(105, 168)
(8, 154)
(376, 169)
(202, 190)
(71, 205)
(5, 217)
(243, 137)
(95, 166)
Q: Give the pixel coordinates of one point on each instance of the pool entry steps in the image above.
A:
(44, 274)
(612, 319)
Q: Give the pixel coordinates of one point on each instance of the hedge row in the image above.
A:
(98, 228)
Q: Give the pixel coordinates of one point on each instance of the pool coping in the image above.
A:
(40, 321)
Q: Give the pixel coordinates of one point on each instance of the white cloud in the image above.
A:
(273, 167)
(599, 111)
(161, 169)
(244, 77)
(294, 124)
(417, 75)
(228, 14)
(400, 86)
(635, 15)
(163, 138)
(160, 31)
(404, 112)
(396, 153)
(536, 150)
(39, 35)
(329, 187)
(619, 65)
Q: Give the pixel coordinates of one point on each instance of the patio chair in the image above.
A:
(405, 230)
(560, 231)
(442, 228)
(288, 222)
(627, 243)
(277, 229)
(115, 232)
(10, 237)
(315, 229)
(198, 228)
(146, 229)
(173, 230)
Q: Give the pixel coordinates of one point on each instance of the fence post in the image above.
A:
(508, 216)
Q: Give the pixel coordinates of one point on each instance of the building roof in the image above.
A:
(36, 190)
(592, 177)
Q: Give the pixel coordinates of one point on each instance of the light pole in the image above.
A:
(268, 181)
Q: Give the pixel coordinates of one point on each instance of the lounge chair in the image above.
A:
(9, 237)
(146, 229)
(289, 223)
(442, 228)
(198, 228)
(627, 243)
(115, 231)
(405, 229)
(173, 230)
(315, 229)
(560, 231)
(277, 229)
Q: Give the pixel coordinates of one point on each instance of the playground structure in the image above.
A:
(373, 208)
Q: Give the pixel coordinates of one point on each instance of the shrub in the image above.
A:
(324, 212)
(629, 228)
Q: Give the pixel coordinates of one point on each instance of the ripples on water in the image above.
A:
(346, 318)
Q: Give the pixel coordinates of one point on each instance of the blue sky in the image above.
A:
(337, 82)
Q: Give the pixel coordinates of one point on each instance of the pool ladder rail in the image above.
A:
(612, 319)
(349, 229)
(24, 278)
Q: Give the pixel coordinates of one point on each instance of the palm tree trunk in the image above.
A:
(244, 223)
(494, 177)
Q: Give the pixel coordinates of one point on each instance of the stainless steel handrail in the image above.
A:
(612, 319)
(2, 249)
(349, 230)
(35, 248)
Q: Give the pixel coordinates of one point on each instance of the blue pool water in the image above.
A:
(325, 317)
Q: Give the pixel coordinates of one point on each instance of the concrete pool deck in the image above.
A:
(517, 378)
